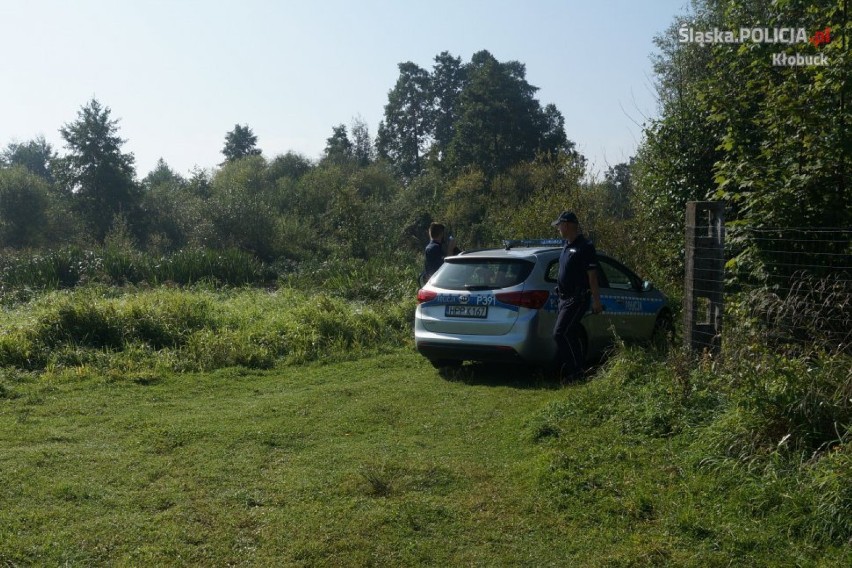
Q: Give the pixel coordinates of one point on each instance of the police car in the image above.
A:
(500, 305)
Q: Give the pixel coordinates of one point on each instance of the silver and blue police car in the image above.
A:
(500, 305)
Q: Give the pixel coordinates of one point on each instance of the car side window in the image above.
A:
(616, 278)
(552, 271)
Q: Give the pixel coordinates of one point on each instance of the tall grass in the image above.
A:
(763, 438)
(391, 278)
(194, 329)
(73, 266)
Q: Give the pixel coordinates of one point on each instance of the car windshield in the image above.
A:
(482, 273)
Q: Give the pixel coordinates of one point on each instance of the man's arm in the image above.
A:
(597, 307)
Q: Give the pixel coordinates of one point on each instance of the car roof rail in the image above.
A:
(509, 244)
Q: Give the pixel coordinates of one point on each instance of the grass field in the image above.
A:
(374, 462)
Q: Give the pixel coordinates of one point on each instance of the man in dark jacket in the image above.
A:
(435, 250)
(577, 286)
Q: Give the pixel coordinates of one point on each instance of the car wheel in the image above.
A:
(664, 332)
(445, 363)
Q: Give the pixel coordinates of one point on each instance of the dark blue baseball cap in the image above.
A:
(566, 217)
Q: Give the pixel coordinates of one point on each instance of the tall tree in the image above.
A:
(239, 143)
(406, 130)
(500, 122)
(95, 170)
(449, 77)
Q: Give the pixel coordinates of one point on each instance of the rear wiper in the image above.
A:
(476, 288)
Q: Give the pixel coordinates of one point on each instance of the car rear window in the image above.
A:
(482, 273)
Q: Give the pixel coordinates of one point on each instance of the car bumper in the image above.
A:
(521, 344)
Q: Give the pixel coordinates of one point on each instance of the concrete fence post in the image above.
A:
(705, 273)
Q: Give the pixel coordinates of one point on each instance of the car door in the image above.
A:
(621, 295)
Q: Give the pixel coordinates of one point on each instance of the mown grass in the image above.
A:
(377, 461)
(382, 461)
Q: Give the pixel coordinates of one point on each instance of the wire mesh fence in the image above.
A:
(788, 286)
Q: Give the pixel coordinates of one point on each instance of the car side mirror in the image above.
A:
(647, 286)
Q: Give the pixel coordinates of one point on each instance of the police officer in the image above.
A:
(577, 286)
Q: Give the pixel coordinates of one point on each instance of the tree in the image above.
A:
(500, 123)
(239, 209)
(35, 155)
(771, 141)
(291, 165)
(161, 175)
(618, 183)
(406, 130)
(449, 77)
(23, 208)
(95, 170)
(239, 143)
(362, 144)
(338, 148)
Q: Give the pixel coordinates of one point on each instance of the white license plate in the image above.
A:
(466, 311)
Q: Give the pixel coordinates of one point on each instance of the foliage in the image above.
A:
(500, 123)
(359, 200)
(240, 143)
(771, 141)
(96, 171)
(404, 133)
(338, 148)
(23, 208)
(36, 156)
(480, 115)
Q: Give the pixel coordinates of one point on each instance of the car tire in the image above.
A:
(664, 332)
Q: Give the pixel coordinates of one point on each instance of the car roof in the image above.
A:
(515, 252)
(522, 252)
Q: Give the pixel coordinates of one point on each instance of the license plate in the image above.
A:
(466, 312)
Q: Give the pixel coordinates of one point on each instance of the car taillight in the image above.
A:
(425, 296)
(533, 299)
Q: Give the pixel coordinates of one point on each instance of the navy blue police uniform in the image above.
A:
(577, 258)
(434, 258)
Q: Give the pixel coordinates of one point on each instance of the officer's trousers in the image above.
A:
(570, 353)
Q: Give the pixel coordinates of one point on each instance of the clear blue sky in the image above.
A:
(179, 74)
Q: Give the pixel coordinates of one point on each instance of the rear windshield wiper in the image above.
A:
(476, 287)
